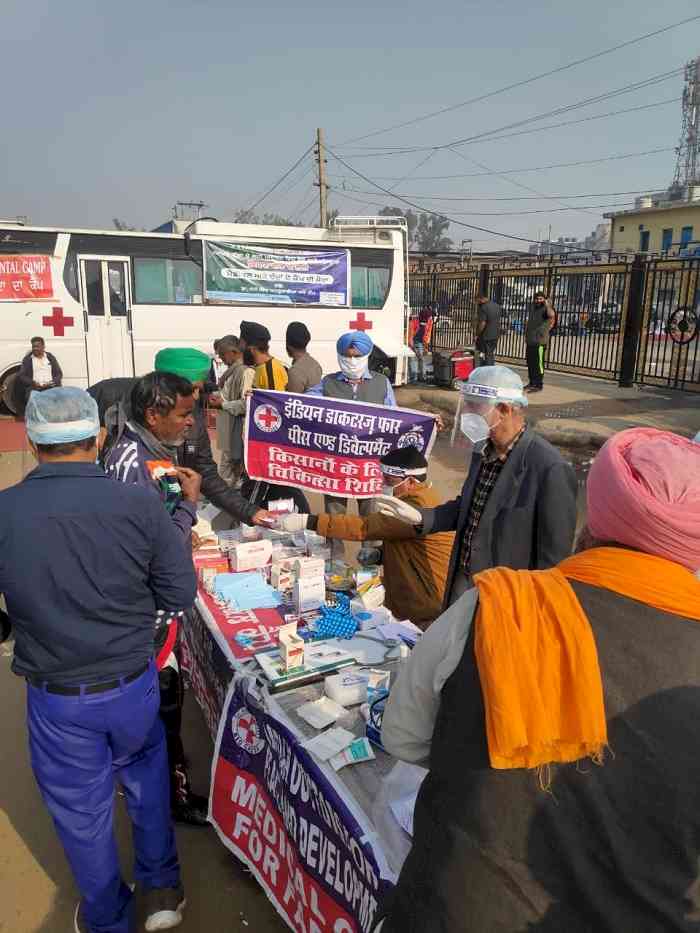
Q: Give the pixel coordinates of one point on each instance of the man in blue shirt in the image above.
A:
(85, 565)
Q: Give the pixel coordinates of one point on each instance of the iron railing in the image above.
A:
(605, 326)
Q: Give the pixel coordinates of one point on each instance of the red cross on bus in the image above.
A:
(57, 320)
(361, 324)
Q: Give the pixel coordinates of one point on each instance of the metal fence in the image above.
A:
(606, 325)
(669, 346)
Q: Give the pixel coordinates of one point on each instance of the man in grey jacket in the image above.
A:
(517, 508)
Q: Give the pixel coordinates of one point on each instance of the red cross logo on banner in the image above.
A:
(57, 321)
(267, 418)
(246, 732)
(361, 324)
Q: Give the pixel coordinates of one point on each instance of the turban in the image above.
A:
(357, 339)
(61, 416)
(298, 335)
(644, 492)
(187, 362)
(254, 333)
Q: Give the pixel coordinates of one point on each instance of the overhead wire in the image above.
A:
(525, 81)
(536, 129)
(279, 181)
(535, 197)
(425, 210)
(564, 108)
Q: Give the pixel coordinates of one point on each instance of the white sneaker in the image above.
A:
(164, 907)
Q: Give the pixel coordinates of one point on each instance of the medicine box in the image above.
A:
(373, 598)
(309, 567)
(250, 555)
(309, 593)
(291, 647)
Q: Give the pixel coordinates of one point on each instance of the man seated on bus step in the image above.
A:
(415, 567)
(305, 371)
(39, 371)
(254, 341)
(112, 397)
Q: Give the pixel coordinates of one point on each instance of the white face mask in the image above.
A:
(475, 428)
(354, 367)
(387, 490)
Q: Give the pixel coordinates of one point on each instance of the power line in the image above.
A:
(536, 129)
(538, 197)
(536, 168)
(425, 210)
(525, 81)
(564, 108)
(279, 181)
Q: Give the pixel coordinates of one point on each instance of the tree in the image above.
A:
(409, 216)
(268, 219)
(431, 233)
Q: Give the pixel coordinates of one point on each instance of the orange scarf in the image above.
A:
(536, 653)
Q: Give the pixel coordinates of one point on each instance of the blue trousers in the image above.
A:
(80, 746)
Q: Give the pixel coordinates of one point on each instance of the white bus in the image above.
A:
(106, 301)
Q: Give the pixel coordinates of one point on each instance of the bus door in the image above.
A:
(105, 289)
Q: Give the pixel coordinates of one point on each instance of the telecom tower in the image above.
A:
(688, 161)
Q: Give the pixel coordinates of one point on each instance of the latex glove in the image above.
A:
(397, 508)
(292, 522)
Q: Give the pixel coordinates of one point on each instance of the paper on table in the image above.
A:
(321, 713)
(403, 811)
(327, 744)
(405, 630)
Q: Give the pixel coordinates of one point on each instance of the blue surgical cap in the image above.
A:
(357, 339)
(61, 416)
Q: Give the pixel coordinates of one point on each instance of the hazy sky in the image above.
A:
(120, 109)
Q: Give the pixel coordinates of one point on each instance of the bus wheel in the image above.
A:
(7, 393)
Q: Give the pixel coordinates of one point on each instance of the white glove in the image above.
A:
(292, 522)
(397, 508)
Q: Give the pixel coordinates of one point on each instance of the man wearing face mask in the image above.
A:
(355, 382)
(415, 567)
(517, 508)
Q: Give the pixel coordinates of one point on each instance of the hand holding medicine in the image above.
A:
(292, 522)
(397, 508)
(190, 483)
(263, 517)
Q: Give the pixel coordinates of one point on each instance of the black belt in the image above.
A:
(90, 688)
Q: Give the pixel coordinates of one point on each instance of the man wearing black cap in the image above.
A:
(255, 343)
(415, 568)
(305, 371)
(541, 318)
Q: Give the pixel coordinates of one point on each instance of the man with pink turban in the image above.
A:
(560, 713)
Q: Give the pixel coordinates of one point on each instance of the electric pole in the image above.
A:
(322, 187)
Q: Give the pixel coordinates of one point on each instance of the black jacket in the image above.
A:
(195, 452)
(530, 518)
(26, 371)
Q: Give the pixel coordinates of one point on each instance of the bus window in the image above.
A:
(33, 242)
(371, 277)
(117, 289)
(93, 287)
(167, 281)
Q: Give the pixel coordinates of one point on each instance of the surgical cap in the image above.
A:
(357, 339)
(644, 492)
(403, 461)
(494, 384)
(61, 416)
(187, 362)
(697, 438)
